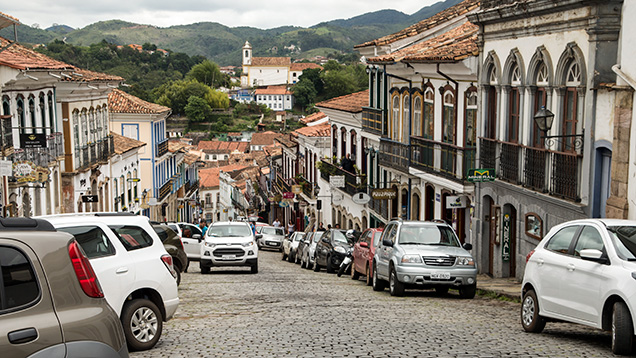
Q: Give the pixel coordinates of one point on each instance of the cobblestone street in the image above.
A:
(286, 311)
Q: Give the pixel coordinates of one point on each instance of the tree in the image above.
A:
(313, 74)
(304, 92)
(197, 109)
(338, 83)
(217, 99)
(208, 72)
(176, 94)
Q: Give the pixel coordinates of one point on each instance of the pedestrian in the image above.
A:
(337, 226)
(276, 223)
(347, 163)
(328, 226)
(203, 226)
(321, 227)
(290, 227)
(253, 227)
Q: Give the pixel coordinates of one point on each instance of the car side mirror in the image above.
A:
(467, 246)
(325, 240)
(197, 237)
(387, 242)
(258, 236)
(364, 244)
(593, 255)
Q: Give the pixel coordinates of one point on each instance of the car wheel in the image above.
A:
(396, 288)
(205, 269)
(316, 266)
(291, 257)
(368, 277)
(468, 291)
(329, 267)
(142, 323)
(178, 278)
(622, 329)
(284, 256)
(441, 290)
(254, 267)
(355, 275)
(378, 284)
(530, 319)
(302, 262)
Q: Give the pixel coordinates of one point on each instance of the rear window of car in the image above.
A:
(273, 231)
(299, 236)
(132, 237)
(92, 239)
(229, 230)
(164, 233)
(317, 236)
(19, 285)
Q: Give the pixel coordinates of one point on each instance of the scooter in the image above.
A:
(346, 262)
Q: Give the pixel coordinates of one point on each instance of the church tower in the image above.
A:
(247, 54)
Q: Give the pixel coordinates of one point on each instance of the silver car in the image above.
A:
(422, 254)
(272, 237)
(308, 259)
(290, 245)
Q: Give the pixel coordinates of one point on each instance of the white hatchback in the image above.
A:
(133, 267)
(584, 272)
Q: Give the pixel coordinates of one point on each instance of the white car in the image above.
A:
(229, 243)
(133, 267)
(309, 251)
(290, 246)
(583, 272)
(191, 236)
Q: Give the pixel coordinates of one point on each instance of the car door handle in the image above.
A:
(23, 335)
(540, 262)
(571, 267)
(122, 270)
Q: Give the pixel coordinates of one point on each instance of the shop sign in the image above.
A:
(32, 140)
(456, 202)
(288, 195)
(361, 198)
(505, 239)
(337, 181)
(27, 171)
(480, 175)
(384, 194)
(297, 189)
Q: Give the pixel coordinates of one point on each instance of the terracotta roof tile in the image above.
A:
(301, 66)
(452, 12)
(122, 102)
(313, 118)
(271, 61)
(273, 90)
(209, 178)
(287, 141)
(321, 130)
(453, 45)
(217, 146)
(264, 138)
(350, 103)
(122, 144)
(22, 58)
(81, 75)
(6, 20)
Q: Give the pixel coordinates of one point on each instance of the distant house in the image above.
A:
(215, 150)
(263, 139)
(275, 97)
(267, 71)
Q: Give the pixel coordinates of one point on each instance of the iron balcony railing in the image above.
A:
(394, 155)
(94, 153)
(282, 185)
(41, 156)
(372, 120)
(161, 148)
(452, 162)
(543, 170)
(165, 190)
(353, 183)
(191, 186)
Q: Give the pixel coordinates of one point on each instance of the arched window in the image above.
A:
(116, 192)
(21, 114)
(514, 103)
(570, 105)
(354, 146)
(76, 128)
(44, 122)
(334, 141)
(429, 112)
(84, 126)
(448, 116)
(540, 100)
(417, 115)
(32, 119)
(92, 127)
(129, 184)
(51, 112)
(122, 195)
(395, 119)
(136, 186)
(471, 117)
(343, 141)
(406, 118)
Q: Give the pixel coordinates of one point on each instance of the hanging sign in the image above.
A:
(505, 239)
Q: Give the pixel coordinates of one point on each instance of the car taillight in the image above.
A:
(167, 260)
(181, 243)
(528, 256)
(84, 271)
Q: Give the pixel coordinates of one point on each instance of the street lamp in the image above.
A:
(544, 119)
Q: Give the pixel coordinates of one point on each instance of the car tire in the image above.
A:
(441, 290)
(178, 278)
(205, 270)
(368, 277)
(355, 275)
(378, 284)
(396, 288)
(142, 323)
(254, 267)
(316, 266)
(468, 291)
(622, 329)
(284, 256)
(291, 257)
(302, 262)
(329, 267)
(530, 319)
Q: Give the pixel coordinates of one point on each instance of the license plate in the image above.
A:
(273, 243)
(440, 275)
(229, 257)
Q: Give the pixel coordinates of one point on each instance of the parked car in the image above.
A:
(173, 245)
(271, 237)
(302, 244)
(52, 301)
(191, 236)
(583, 272)
(290, 245)
(309, 252)
(229, 243)
(423, 254)
(331, 249)
(133, 267)
(363, 252)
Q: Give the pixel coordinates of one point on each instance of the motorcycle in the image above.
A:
(346, 262)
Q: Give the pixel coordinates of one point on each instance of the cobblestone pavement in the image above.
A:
(286, 311)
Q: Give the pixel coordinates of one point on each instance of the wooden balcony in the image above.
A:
(394, 155)
(372, 120)
(453, 162)
(161, 148)
(282, 185)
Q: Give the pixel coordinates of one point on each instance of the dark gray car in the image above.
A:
(51, 303)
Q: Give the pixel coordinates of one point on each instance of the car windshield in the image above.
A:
(273, 231)
(317, 236)
(229, 231)
(427, 235)
(299, 236)
(339, 236)
(624, 239)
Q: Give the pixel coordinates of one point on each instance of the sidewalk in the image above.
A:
(507, 287)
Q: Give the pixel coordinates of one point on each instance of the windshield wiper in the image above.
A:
(412, 243)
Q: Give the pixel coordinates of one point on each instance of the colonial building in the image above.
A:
(543, 60)
(266, 71)
(125, 161)
(277, 98)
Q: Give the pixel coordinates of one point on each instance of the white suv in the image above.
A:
(133, 268)
(229, 243)
(583, 272)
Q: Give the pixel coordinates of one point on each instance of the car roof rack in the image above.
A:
(25, 224)
(123, 213)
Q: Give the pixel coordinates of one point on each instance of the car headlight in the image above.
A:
(210, 244)
(465, 261)
(411, 259)
(248, 244)
(340, 249)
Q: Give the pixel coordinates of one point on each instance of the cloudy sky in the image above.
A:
(164, 13)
